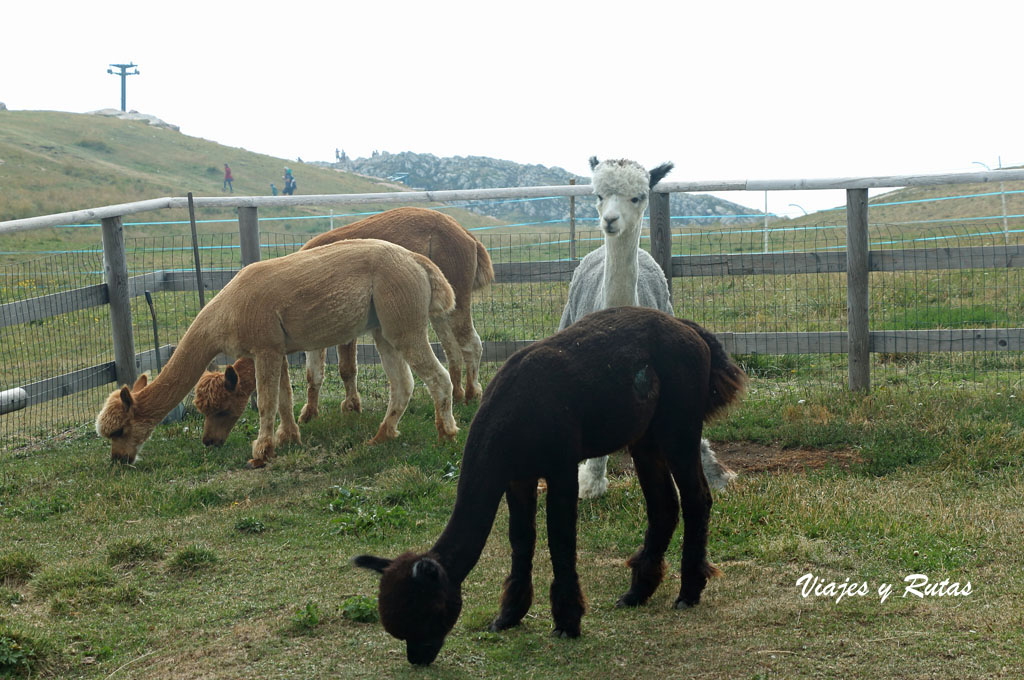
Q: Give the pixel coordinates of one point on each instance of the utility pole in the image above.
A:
(124, 73)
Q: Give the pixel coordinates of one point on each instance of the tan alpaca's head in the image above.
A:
(623, 187)
(120, 422)
(221, 398)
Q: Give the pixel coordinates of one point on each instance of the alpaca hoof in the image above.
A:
(447, 435)
(287, 436)
(383, 435)
(718, 475)
(499, 624)
(458, 396)
(473, 392)
(308, 413)
(565, 633)
(629, 600)
(683, 604)
(354, 404)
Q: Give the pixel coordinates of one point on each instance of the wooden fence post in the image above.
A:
(858, 325)
(572, 223)
(249, 234)
(661, 235)
(115, 273)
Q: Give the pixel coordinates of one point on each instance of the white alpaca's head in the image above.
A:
(623, 188)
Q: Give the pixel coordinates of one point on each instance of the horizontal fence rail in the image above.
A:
(125, 209)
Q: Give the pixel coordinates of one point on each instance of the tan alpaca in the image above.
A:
(464, 262)
(303, 301)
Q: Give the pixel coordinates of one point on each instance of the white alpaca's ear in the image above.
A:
(658, 173)
(377, 564)
(593, 162)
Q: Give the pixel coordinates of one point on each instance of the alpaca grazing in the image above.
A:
(307, 300)
(623, 377)
(464, 262)
(620, 273)
(222, 397)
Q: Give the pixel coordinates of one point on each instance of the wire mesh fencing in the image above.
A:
(951, 287)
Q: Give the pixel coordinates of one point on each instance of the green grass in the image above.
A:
(188, 565)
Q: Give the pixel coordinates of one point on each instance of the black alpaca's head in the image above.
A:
(417, 602)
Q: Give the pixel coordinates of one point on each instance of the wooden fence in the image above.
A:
(857, 262)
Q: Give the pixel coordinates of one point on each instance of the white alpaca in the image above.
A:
(621, 273)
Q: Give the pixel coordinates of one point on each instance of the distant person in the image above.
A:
(228, 179)
(273, 189)
(289, 182)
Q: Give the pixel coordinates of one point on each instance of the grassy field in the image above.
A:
(187, 565)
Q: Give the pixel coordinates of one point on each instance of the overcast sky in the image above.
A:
(725, 90)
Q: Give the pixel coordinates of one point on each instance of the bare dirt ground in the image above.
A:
(750, 457)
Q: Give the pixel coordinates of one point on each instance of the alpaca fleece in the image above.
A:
(625, 377)
(306, 300)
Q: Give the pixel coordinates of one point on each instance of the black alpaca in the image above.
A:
(624, 377)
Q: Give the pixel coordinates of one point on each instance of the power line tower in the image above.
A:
(124, 73)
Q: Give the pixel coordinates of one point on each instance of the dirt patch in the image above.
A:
(750, 457)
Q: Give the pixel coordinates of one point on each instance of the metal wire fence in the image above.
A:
(982, 295)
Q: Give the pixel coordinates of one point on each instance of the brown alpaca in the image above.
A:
(464, 262)
(306, 300)
(221, 398)
(622, 377)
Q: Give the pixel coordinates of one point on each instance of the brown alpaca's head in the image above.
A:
(221, 398)
(120, 422)
(417, 602)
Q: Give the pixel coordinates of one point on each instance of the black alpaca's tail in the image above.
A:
(727, 380)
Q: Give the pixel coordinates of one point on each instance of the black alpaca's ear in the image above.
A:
(377, 564)
(659, 172)
(426, 571)
(593, 162)
(230, 379)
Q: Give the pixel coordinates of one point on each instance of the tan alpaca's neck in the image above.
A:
(191, 357)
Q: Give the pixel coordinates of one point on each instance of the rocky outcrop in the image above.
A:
(135, 115)
(429, 172)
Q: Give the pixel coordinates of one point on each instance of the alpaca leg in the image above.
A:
(718, 475)
(452, 351)
(287, 431)
(517, 593)
(400, 385)
(592, 477)
(347, 369)
(417, 352)
(695, 498)
(648, 563)
(314, 381)
(472, 350)
(268, 373)
(567, 603)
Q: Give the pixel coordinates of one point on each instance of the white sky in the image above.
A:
(726, 90)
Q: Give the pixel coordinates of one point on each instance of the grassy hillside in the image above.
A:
(919, 205)
(52, 162)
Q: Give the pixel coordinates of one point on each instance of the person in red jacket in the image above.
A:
(228, 179)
